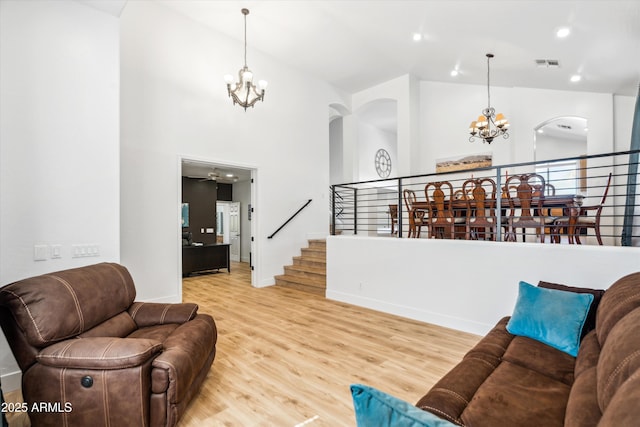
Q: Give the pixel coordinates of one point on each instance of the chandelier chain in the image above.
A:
(488, 82)
(245, 37)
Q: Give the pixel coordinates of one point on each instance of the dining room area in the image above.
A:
(578, 200)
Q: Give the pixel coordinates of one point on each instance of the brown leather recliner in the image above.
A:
(91, 356)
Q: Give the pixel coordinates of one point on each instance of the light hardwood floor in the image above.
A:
(286, 358)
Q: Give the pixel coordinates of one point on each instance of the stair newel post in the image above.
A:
(355, 211)
(400, 208)
(333, 210)
(499, 204)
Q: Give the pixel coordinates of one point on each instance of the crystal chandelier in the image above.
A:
(244, 92)
(489, 125)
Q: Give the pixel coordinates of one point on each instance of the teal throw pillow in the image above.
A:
(375, 408)
(550, 316)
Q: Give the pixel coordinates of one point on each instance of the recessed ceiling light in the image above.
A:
(454, 73)
(563, 32)
(576, 78)
(417, 37)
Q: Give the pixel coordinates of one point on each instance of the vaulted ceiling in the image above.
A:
(356, 44)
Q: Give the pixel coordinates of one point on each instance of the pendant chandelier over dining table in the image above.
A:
(244, 92)
(489, 125)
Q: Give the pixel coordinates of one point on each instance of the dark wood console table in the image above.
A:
(206, 257)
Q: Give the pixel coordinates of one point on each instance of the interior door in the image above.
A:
(234, 231)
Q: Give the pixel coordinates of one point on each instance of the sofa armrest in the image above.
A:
(151, 314)
(99, 353)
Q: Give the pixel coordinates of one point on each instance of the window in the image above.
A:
(562, 176)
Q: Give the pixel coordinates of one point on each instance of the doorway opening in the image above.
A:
(226, 217)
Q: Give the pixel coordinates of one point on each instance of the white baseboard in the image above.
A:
(11, 382)
(439, 319)
(171, 299)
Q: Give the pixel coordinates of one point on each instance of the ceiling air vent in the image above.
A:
(547, 63)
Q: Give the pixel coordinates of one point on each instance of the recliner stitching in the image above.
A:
(482, 360)
(62, 356)
(618, 368)
(107, 348)
(105, 398)
(440, 412)
(124, 281)
(75, 299)
(164, 313)
(453, 393)
(195, 308)
(65, 421)
(136, 309)
(26, 307)
(142, 403)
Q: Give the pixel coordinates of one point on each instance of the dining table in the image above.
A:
(547, 202)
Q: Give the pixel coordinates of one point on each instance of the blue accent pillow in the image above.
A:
(550, 316)
(377, 409)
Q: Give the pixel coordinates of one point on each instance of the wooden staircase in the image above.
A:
(309, 271)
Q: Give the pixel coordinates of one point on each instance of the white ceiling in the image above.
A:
(356, 44)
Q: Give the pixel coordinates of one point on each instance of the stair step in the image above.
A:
(318, 244)
(319, 274)
(310, 262)
(314, 253)
(300, 283)
(309, 271)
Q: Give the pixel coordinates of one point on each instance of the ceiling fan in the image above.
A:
(211, 176)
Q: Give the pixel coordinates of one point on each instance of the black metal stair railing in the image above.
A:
(365, 208)
(289, 220)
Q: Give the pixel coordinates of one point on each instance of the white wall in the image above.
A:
(371, 139)
(336, 151)
(174, 102)
(447, 109)
(623, 109)
(58, 140)
(402, 90)
(464, 285)
(551, 147)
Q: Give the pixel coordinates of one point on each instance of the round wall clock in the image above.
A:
(383, 163)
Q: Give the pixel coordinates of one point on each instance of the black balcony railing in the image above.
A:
(379, 208)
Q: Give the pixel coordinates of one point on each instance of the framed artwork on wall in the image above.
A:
(464, 162)
(185, 214)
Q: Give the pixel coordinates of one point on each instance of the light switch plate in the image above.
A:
(56, 251)
(40, 252)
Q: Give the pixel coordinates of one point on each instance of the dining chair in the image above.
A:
(416, 216)
(549, 190)
(525, 206)
(393, 214)
(481, 208)
(441, 217)
(579, 222)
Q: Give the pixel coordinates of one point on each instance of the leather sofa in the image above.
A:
(91, 356)
(508, 380)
